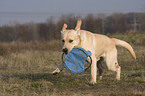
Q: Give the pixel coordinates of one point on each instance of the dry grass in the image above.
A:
(25, 71)
(17, 46)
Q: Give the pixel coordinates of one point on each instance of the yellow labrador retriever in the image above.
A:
(99, 45)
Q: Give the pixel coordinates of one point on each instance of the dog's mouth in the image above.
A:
(65, 53)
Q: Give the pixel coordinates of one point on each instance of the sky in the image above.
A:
(40, 10)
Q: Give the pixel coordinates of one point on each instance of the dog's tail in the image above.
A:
(125, 45)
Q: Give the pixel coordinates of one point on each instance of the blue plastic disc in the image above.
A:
(76, 59)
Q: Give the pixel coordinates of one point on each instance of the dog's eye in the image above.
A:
(63, 41)
(70, 41)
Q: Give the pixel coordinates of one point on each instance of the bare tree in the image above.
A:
(102, 17)
(33, 29)
(119, 22)
(90, 24)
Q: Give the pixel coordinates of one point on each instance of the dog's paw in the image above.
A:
(55, 72)
(92, 83)
(99, 78)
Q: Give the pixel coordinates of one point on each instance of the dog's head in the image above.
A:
(70, 38)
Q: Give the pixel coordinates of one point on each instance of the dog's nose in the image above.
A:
(65, 50)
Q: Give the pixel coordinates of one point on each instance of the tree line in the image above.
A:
(50, 30)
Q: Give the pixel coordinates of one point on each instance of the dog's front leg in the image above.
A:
(93, 71)
(58, 69)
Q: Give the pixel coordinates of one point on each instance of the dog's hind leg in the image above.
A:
(111, 61)
(100, 68)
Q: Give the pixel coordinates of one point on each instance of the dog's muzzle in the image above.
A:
(65, 50)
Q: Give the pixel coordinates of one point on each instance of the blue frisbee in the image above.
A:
(76, 60)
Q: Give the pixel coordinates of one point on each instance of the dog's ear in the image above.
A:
(78, 26)
(64, 28)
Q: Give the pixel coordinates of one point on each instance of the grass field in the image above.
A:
(25, 71)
